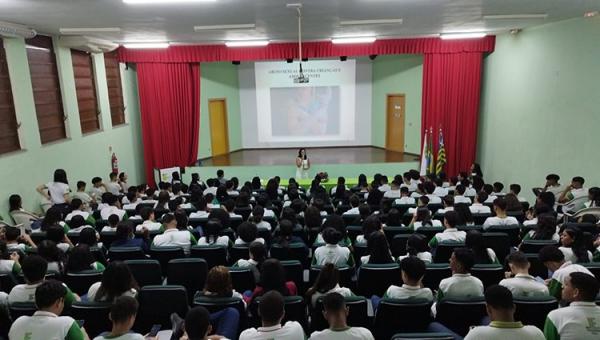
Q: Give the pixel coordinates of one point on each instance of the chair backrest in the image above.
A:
(444, 250)
(190, 273)
(375, 279)
(18, 309)
(213, 255)
(479, 218)
(145, 272)
(73, 236)
(499, 242)
(398, 244)
(238, 252)
(157, 303)
(349, 218)
(99, 254)
(594, 267)
(533, 311)
(460, 315)
(242, 279)
(95, 315)
(357, 313)
(423, 336)
(435, 273)
(353, 231)
(294, 251)
(513, 232)
(360, 250)
(393, 316)
(80, 282)
(295, 310)
(294, 272)
(38, 237)
(489, 274)
(216, 304)
(585, 227)
(125, 253)
(345, 275)
(107, 237)
(391, 231)
(519, 215)
(534, 246)
(429, 232)
(165, 254)
(7, 282)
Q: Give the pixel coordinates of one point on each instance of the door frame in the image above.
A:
(387, 96)
(224, 100)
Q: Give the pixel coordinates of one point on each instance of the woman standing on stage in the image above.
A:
(302, 164)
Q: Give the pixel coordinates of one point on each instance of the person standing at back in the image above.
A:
(57, 191)
(336, 313)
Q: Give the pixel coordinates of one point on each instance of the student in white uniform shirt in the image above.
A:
(113, 186)
(394, 191)
(328, 281)
(202, 209)
(469, 190)
(448, 205)
(354, 204)
(516, 190)
(46, 322)
(459, 195)
(211, 234)
(429, 189)
(573, 191)
(477, 207)
(554, 260)
(247, 233)
(461, 284)
(58, 190)
(384, 187)
(271, 311)
(82, 195)
(573, 246)
(450, 233)
(413, 271)
(416, 245)
(9, 261)
(332, 252)
(521, 284)
(213, 185)
(422, 202)
(257, 218)
(149, 221)
(501, 309)
(336, 312)
(501, 218)
(404, 197)
(98, 188)
(581, 318)
(439, 190)
(173, 237)
(122, 315)
(114, 208)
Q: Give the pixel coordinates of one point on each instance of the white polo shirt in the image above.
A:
(498, 330)
(570, 256)
(113, 187)
(424, 256)
(433, 199)
(91, 295)
(478, 208)
(8, 266)
(404, 200)
(150, 225)
(350, 333)
(292, 330)
(112, 210)
(343, 291)
(392, 193)
(581, 320)
(83, 214)
(462, 199)
(408, 292)
(460, 286)
(45, 325)
(497, 221)
(199, 214)
(332, 253)
(448, 235)
(470, 192)
(523, 285)
(221, 241)
(440, 191)
(352, 211)
(174, 238)
(560, 276)
(57, 191)
(126, 336)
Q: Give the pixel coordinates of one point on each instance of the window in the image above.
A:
(9, 135)
(46, 89)
(86, 91)
(115, 92)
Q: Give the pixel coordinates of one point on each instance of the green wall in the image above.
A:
(540, 105)
(391, 75)
(219, 80)
(82, 156)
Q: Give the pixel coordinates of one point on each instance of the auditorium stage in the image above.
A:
(336, 161)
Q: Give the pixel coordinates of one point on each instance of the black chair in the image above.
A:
(460, 314)
(391, 231)
(243, 211)
(519, 215)
(242, 279)
(534, 246)
(434, 207)
(125, 253)
(145, 272)
(594, 267)
(499, 242)
(294, 272)
(214, 255)
(190, 273)
(444, 250)
(157, 303)
(513, 232)
(349, 218)
(585, 227)
(238, 252)
(294, 251)
(423, 336)
(479, 218)
(7, 282)
(166, 254)
(38, 237)
(357, 313)
(345, 275)
(80, 282)
(95, 315)
(435, 273)
(489, 274)
(99, 254)
(536, 268)
(375, 279)
(295, 310)
(533, 310)
(107, 237)
(398, 244)
(18, 309)
(429, 232)
(393, 316)
(198, 222)
(73, 236)
(360, 250)
(353, 231)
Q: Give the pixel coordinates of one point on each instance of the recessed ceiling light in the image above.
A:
(135, 45)
(473, 35)
(515, 16)
(371, 22)
(246, 43)
(163, 2)
(590, 14)
(85, 30)
(224, 27)
(353, 40)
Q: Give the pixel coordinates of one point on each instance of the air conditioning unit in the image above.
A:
(11, 30)
(87, 44)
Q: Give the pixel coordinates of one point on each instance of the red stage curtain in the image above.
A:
(170, 109)
(451, 91)
(322, 49)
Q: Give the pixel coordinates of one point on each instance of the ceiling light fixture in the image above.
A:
(246, 43)
(87, 30)
(515, 16)
(474, 35)
(163, 2)
(371, 22)
(136, 45)
(353, 40)
(225, 27)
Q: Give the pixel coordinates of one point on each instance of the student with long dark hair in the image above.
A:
(57, 191)
(379, 250)
(328, 281)
(117, 280)
(272, 277)
(302, 164)
(416, 245)
(483, 255)
(573, 246)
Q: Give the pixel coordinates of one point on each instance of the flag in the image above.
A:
(424, 158)
(441, 156)
(430, 165)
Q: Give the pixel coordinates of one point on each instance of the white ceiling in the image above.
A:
(174, 22)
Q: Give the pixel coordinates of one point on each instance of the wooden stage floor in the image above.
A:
(334, 155)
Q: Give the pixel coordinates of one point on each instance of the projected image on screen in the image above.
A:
(305, 111)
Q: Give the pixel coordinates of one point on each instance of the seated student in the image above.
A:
(34, 269)
(429, 189)
(336, 222)
(501, 218)
(470, 191)
(328, 281)
(370, 225)
(258, 214)
(522, 284)
(477, 207)
(379, 250)
(247, 233)
(173, 237)
(57, 234)
(393, 218)
(122, 315)
(515, 189)
(117, 280)
(228, 206)
(53, 255)
(197, 324)
(448, 204)
(354, 203)
(131, 200)
(80, 194)
(422, 218)
(22, 216)
(81, 259)
(501, 309)
(418, 192)
(77, 224)
(46, 322)
(271, 311)
(9, 261)
(416, 245)
(497, 189)
(211, 234)
(113, 186)
(149, 221)
(545, 229)
(113, 221)
(439, 190)
(489, 189)
(422, 202)
(450, 233)
(336, 312)
(203, 210)
(114, 207)
(461, 284)
(483, 255)
(394, 191)
(17, 242)
(124, 237)
(384, 187)
(258, 255)
(218, 284)
(554, 260)
(573, 191)
(286, 237)
(404, 197)
(413, 271)
(459, 195)
(581, 318)
(573, 246)
(512, 203)
(272, 277)
(332, 252)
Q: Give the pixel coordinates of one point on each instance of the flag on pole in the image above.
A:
(424, 158)
(441, 156)
(430, 165)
